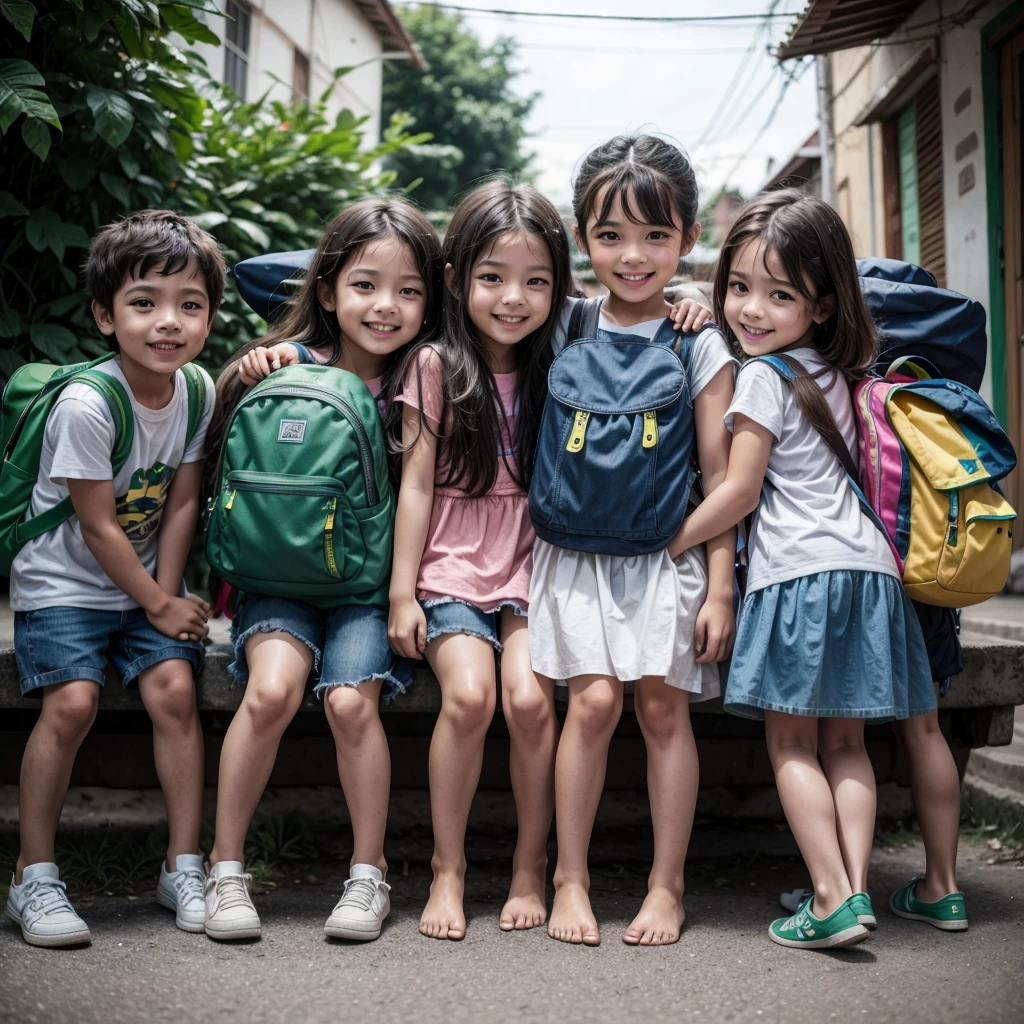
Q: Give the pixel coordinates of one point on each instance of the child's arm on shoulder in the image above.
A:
(95, 505)
(690, 315)
(407, 625)
(738, 494)
(260, 362)
(716, 621)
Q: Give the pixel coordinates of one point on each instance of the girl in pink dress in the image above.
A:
(463, 539)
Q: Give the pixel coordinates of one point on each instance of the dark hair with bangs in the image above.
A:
(306, 322)
(811, 242)
(642, 169)
(152, 240)
(470, 430)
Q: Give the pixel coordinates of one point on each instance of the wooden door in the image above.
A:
(1011, 76)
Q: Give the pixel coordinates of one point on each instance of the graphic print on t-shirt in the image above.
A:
(139, 511)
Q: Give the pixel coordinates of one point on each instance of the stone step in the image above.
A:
(1001, 766)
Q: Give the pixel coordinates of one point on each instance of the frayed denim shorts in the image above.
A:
(349, 643)
(61, 644)
(446, 615)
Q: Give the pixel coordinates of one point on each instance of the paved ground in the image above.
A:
(724, 968)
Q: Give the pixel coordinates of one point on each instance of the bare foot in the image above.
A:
(572, 919)
(659, 922)
(525, 907)
(443, 916)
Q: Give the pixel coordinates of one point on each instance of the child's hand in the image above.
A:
(407, 628)
(181, 618)
(260, 362)
(690, 315)
(713, 634)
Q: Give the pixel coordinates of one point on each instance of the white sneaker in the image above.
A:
(229, 910)
(181, 890)
(363, 906)
(41, 906)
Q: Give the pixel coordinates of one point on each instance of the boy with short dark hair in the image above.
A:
(108, 582)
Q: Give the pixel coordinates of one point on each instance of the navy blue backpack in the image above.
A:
(613, 469)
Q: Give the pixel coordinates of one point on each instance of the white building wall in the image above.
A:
(330, 34)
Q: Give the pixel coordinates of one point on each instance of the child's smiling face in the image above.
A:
(160, 321)
(765, 311)
(634, 261)
(509, 293)
(379, 298)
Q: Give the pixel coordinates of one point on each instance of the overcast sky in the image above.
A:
(602, 78)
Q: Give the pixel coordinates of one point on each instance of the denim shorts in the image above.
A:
(448, 615)
(349, 643)
(57, 645)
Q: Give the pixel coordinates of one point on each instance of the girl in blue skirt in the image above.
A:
(827, 638)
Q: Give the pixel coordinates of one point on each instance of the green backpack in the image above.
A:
(28, 398)
(304, 506)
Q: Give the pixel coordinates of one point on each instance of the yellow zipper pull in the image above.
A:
(229, 502)
(579, 430)
(650, 429)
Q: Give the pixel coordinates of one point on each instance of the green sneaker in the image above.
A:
(861, 904)
(805, 931)
(949, 913)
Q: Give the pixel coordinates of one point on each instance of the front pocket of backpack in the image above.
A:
(976, 553)
(282, 528)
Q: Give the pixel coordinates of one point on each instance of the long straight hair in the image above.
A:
(813, 246)
(306, 322)
(472, 414)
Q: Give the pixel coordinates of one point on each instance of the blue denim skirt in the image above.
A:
(840, 644)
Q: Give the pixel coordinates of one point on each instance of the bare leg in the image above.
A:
(69, 709)
(810, 810)
(464, 666)
(364, 766)
(278, 668)
(595, 704)
(852, 780)
(935, 786)
(169, 695)
(672, 779)
(529, 705)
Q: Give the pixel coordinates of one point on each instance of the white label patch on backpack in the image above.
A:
(292, 431)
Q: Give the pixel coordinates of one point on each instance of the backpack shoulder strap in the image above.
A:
(583, 321)
(195, 385)
(120, 407)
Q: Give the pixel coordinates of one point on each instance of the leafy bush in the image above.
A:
(267, 176)
(96, 111)
(100, 115)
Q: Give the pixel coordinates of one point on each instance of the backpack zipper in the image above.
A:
(954, 514)
(346, 409)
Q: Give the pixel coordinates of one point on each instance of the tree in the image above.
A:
(464, 99)
(100, 115)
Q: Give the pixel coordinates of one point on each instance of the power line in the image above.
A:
(613, 48)
(673, 19)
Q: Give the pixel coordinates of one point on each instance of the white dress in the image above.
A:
(625, 616)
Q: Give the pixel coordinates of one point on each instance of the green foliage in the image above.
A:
(464, 98)
(266, 176)
(94, 112)
(101, 115)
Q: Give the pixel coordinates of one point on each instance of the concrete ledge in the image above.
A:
(993, 676)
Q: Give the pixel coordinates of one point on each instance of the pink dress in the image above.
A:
(478, 550)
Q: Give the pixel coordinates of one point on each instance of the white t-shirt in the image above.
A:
(57, 568)
(810, 519)
(708, 355)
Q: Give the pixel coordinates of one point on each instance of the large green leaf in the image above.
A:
(21, 14)
(9, 361)
(53, 341)
(187, 25)
(117, 187)
(10, 206)
(11, 324)
(36, 135)
(112, 114)
(19, 95)
(210, 219)
(45, 230)
(254, 232)
(77, 172)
